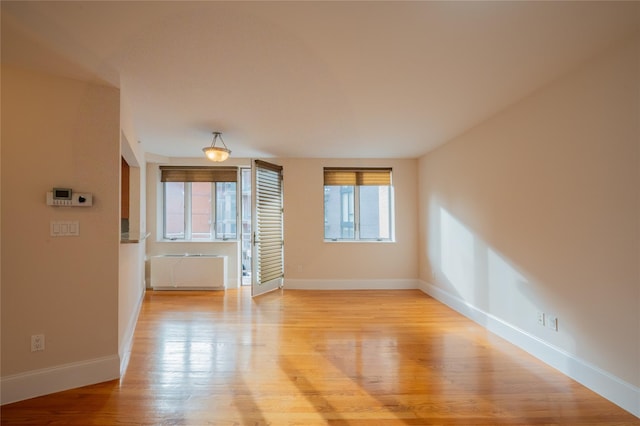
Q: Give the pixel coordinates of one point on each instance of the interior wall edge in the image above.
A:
(127, 339)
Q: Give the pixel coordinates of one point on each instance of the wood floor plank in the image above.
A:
(316, 358)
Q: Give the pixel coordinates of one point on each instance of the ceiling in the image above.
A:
(312, 79)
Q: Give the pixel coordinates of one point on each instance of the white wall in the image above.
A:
(538, 209)
(310, 262)
(131, 285)
(131, 290)
(58, 132)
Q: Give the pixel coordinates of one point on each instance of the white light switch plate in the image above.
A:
(65, 228)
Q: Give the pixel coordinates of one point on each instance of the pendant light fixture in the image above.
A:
(217, 153)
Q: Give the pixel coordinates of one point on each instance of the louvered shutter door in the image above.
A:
(269, 232)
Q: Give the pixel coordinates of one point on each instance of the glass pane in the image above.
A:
(174, 209)
(375, 212)
(201, 210)
(246, 226)
(339, 212)
(226, 210)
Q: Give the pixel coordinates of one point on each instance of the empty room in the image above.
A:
(322, 212)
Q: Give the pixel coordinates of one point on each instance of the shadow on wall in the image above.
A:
(467, 268)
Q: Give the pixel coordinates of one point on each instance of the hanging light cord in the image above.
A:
(216, 136)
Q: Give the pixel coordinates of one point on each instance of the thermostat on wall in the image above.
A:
(66, 197)
(62, 193)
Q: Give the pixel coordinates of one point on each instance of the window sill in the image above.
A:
(126, 238)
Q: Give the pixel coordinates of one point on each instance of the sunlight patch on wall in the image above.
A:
(506, 284)
(480, 275)
(457, 261)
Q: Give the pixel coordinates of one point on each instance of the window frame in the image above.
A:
(354, 202)
(214, 234)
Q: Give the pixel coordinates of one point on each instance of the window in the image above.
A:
(199, 203)
(358, 204)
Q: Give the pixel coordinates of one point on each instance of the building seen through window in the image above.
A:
(199, 203)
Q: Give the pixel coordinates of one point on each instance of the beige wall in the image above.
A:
(309, 257)
(58, 132)
(538, 209)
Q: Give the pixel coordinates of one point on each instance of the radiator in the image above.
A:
(188, 272)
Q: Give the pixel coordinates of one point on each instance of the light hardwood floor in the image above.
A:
(314, 358)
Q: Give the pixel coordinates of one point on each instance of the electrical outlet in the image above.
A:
(552, 322)
(540, 318)
(37, 342)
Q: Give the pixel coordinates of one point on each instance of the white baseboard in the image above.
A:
(621, 393)
(378, 284)
(35, 383)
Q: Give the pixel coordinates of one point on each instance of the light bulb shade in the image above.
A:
(216, 153)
